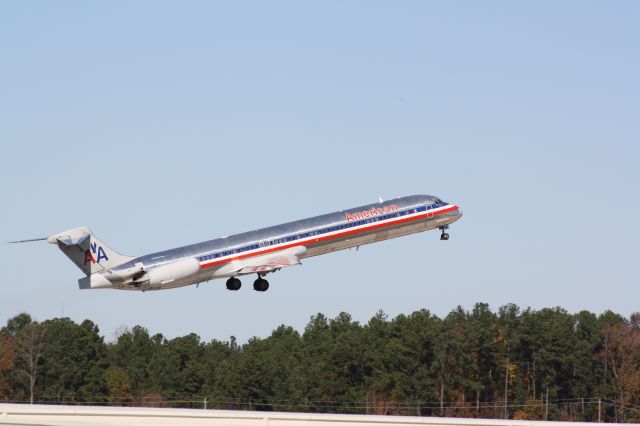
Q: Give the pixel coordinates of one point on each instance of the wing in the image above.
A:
(269, 262)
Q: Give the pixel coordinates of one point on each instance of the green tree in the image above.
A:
(316, 342)
(453, 364)
(74, 362)
(485, 352)
(335, 359)
(176, 368)
(17, 323)
(134, 351)
(222, 380)
(407, 360)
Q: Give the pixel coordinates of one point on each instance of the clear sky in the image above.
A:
(159, 124)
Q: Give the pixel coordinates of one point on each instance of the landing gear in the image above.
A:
(233, 284)
(261, 284)
(444, 236)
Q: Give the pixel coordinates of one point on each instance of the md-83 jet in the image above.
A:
(255, 252)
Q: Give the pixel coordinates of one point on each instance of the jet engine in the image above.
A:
(163, 275)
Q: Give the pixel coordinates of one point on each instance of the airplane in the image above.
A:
(258, 252)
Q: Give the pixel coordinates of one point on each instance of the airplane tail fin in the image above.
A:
(87, 252)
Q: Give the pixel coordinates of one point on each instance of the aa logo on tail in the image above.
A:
(98, 251)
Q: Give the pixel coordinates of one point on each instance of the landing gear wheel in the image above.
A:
(233, 284)
(261, 284)
(444, 235)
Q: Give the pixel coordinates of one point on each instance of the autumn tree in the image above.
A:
(11, 379)
(30, 343)
(621, 352)
(118, 385)
(7, 359)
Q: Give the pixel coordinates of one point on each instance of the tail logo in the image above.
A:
(98, 251)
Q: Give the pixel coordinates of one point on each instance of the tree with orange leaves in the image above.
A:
(621, 352)
(7, 358)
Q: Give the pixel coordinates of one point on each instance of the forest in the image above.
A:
(514, 363)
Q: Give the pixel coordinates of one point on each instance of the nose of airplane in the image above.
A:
(456, 213)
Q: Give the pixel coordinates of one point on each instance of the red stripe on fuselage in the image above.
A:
(427, 214)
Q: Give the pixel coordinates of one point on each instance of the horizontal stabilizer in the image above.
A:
(70, 241)
(71, 237)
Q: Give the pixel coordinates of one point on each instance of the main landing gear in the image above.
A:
(233, 284)
(444, 235)
(260, 284)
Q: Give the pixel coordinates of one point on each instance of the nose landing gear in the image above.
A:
(444, 236)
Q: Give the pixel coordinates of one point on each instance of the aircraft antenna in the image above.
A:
(380, 200)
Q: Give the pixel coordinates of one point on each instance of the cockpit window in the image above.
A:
(437, 201)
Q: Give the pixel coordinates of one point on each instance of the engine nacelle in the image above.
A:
(170, 272)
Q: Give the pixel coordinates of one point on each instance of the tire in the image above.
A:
(261, 284)
(233, 284)
(236, 284)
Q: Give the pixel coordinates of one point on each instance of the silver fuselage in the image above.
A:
(317, 235)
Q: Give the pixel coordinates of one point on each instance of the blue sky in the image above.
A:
(159, 124)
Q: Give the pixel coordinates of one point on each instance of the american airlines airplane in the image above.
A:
(256, 252)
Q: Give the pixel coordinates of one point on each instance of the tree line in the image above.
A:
(513, 363)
